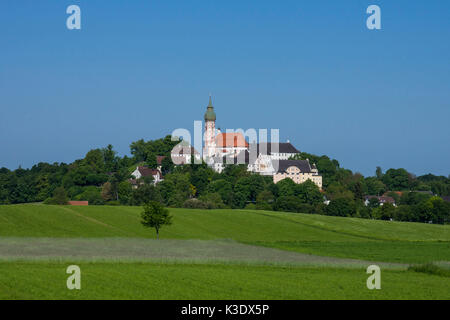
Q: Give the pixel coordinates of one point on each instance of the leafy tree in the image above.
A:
(139, 150)
(110, 158)
(396, 179)
(60, 196)
(338, 191)
(106, 192)
(222, 187)
(309, 193)
(155, 216)
(384, 212)
(152, 161)
(342, 207)
(94, 159)
(125, 191)
(264, 200)
(413, 198)
(145, 193)
(288, 203)
(286, 187)
(91, 194)
(212, 200)
(374, 186)
(379, 173)
(167, 165)
(373, 203)
(200, 179)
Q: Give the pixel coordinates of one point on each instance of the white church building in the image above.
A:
(265, 158)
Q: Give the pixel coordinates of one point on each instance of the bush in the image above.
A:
(195, 204)
(250, 206)
(430, 268)
(50, 201)
(288, 203)
(59, 197)
(213, 200)
(113, 203)
(91, 194)
(305, 208)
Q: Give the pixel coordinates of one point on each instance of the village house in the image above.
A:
(297, 170)
(381, 200)
(182, 153)
(141, 172)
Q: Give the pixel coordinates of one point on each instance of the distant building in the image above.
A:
(229, 144)
(381, 199)
(78, 203)
(142, 172)
(297, 170)
(271, 159)
(183, 152)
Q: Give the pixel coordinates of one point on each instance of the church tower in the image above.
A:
(210, 131)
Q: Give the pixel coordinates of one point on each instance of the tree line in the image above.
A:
(102, 177)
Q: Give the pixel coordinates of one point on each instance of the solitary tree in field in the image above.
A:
(155, 216)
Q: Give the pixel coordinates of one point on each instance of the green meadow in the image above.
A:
(206, 254)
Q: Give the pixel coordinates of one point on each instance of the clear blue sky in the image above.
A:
(139, 69)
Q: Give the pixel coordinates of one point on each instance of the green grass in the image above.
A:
(245, 225)
(184, 281)
(388, 251)
(118, 229)
(313, 234)
(430, 268)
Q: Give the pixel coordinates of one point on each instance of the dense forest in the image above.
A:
(102, 177)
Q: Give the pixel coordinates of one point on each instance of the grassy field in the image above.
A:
(224, 238)
(198, 281)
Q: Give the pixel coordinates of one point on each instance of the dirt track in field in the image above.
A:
(129, 249)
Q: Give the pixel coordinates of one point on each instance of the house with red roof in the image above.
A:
(144, 171)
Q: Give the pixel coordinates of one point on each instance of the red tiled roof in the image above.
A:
(382, 199)
(145, 172)
(230, 140)
(159, 159)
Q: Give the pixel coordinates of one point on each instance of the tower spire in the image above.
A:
(210, 115)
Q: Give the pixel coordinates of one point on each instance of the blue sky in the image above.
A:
(140, 69)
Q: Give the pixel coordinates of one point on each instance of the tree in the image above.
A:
(264, 200)
(107, 192)
(286, 187)
(374, 186)
(384, 212)
(152, 161)
(60, 196)
(396, 179)
(91, 194)
(155, 216)
(379, 173)
(309, 192)
(125, 190)
(94, 159)
(222, 187)
(374, 203)
(288, 204)
(109, 156)
(144, 194)
(166, 165)
(342, 207)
